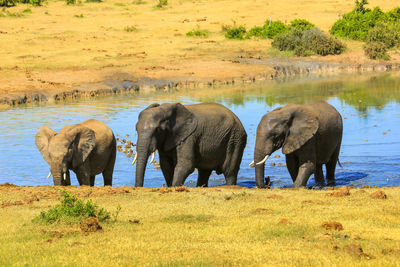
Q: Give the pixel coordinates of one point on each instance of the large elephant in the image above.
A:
(309, 135)
(203, 136)
(88, 148)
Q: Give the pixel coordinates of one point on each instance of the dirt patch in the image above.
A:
(90, 225)
(337, 226)
(356, 251)
(325, 237)
(343, 191)
(135, 221)
(275, 196)
(284, 222)
(181, 189)
(161, 190)
(391, 251)
(378, 195)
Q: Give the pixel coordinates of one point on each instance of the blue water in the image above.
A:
(370, 153)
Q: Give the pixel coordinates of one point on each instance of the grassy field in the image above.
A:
(57, 46)
(220, 226)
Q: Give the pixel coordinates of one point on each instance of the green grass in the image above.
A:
(198, 33)
(130, 29)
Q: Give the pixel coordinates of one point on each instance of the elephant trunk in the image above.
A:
(258, 157)
(60, 175)
(143, 152)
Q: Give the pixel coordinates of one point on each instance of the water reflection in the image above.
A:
(369, 105)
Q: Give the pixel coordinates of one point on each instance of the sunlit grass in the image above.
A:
(203, 228)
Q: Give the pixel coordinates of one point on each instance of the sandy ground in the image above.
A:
(57, 48)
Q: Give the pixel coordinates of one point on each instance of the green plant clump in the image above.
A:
(234, 32)
(301, 24)
(72, 209)
(94, 1)
(308, 42)
(130, 29)
(269, 30)
(356, 24)
(376, 50)
(161, 3)
(198, 33)
(7, 3)
(388, 34)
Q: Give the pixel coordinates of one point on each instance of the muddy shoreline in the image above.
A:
(275, 68)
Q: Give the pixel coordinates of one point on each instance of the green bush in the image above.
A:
(72, 209)
(93, 1)
(70, 2)
(234, 32)
(161, 3)
(385, 33)
(269, 30)
(301, 24)
(7, 3)
(198, 33)
(130, 29)
(376, 50)
(307, 42)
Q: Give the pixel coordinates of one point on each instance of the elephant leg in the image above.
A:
(83, 174)
(185, 162)
(305, 170)
(108, 171)
(292, 166)
(167, 168)
(319, 175)
(331, 166)
(233, 166)
(92, 177)
(204, 175)
(181, 172)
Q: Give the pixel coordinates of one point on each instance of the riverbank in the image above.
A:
(206, 227)
(56, 52)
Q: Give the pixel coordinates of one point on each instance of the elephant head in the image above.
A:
(161, 127)
(288, 128)
(65, 150)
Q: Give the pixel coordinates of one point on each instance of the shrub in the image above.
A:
(93, 1)
(70, 2)
(385, 33)
(73, 209)
(198, 33)
(161, 3)
(301, 24)
(130, 29)
(234, 32)
(78, 16)
(7, 3)
(36, 2)
(269, 30)
(307, 42)
(139, 2)
(376, 50)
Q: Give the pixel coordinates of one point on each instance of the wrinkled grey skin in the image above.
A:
(309, 135)
(88, 148)
(203, 136)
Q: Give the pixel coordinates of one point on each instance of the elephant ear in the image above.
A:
(182, 123)
(303, 127)
(84, 141)
(42, 139)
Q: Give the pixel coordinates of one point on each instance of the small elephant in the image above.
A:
(88, 148)
(309, 135)
(203, 136)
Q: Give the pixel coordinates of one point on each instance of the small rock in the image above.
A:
(90, 224)
(284, 221)
(379, 195)
(343, 191)
(332, 226)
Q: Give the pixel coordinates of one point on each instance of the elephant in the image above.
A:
(205, 136)
(88, 148)
(309, 135)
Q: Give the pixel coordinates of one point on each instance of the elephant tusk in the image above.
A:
(264, 160)
(65, 176)
(153, 158)
(134, 159)
(252, 164)
(48, 176)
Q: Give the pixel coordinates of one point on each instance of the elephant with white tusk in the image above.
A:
(88, 148)
(309, 135)
(203, 136)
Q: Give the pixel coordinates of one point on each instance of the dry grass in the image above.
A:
(68, 45)
(206, 227)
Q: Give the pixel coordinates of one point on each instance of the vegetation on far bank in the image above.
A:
(205, 227)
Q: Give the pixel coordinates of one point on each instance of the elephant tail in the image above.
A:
(340, 164)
